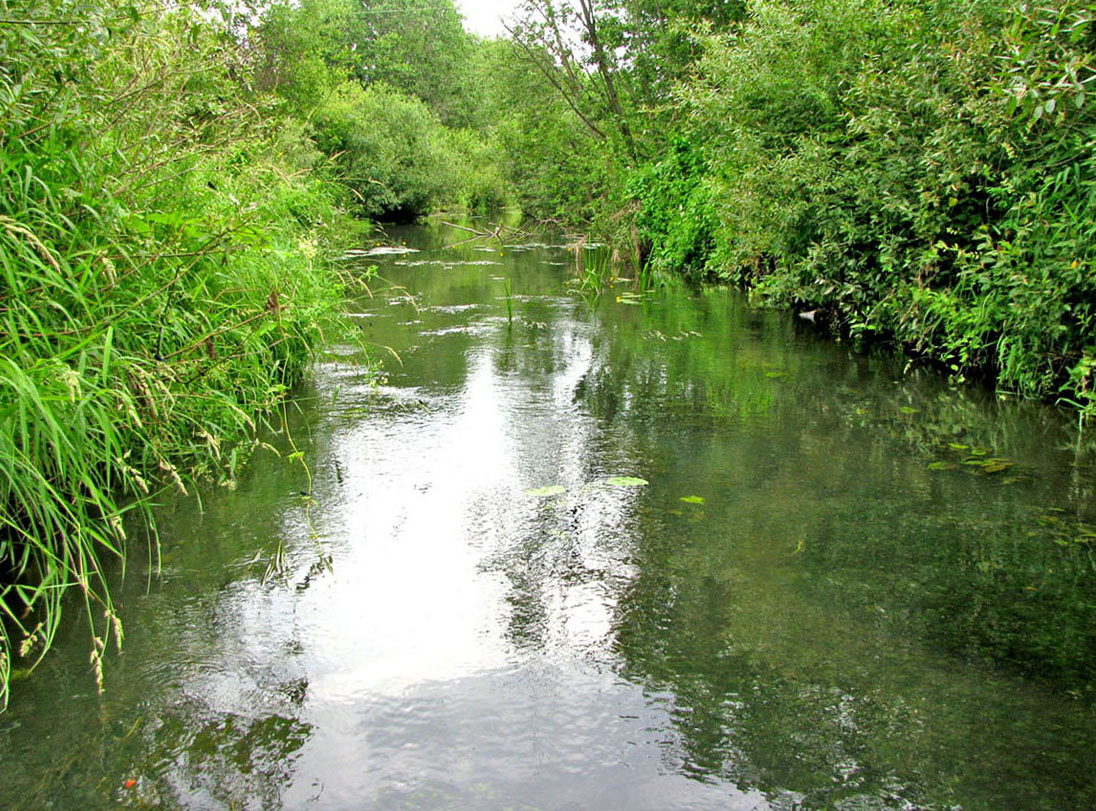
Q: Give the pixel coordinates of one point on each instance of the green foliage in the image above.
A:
(675, 215)
(159, 288)
(480, 184)
(390, 93)
(393, 152)
(306, 49)
(918, 172)
(551, 161)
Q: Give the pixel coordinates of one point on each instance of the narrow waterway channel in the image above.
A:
(842, 585)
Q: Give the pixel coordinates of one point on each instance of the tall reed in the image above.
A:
(161, 230)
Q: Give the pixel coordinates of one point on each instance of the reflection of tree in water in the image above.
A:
(840, 620)
(820, 671)
(180, 756)
(557, 544)
(229, 760)
(744, 714)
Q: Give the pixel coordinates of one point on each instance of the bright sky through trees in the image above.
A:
(482, 16)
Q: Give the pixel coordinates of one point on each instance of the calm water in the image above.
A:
(843, 586)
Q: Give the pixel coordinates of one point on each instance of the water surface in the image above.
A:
(844, 585)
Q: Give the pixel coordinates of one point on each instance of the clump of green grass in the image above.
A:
(594, 269)
(161, 288)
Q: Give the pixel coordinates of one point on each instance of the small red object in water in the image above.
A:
(131, 783)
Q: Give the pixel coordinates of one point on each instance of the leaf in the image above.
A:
(908, 410)
(626, 481)
(692, 499)
(943, 466)
(550, 490)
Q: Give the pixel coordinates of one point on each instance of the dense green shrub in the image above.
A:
(918, 171)
(481, 185)
(393, 152)
(675, 217)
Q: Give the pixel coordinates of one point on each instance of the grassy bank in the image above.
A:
(162, 230)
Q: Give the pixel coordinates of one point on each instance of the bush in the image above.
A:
(919, 172)
(675, 216)
(392, 151)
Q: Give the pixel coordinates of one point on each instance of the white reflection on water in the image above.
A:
(457, 654)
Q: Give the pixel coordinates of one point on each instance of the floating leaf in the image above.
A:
(943, 466)
(908, 410)
(693, 499)
(774, 374)
(626, 481)
(550, 490)
(996, 465)
(955, 446)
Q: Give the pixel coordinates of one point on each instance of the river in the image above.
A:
(646, 550)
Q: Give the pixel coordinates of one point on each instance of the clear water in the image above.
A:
(829, 594)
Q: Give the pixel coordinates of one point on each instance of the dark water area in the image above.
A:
(844, 584)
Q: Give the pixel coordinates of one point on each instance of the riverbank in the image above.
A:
(916, 175)
(162, 285)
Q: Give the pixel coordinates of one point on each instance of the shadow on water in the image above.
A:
(621, 552)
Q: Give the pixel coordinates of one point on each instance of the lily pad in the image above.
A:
(550, 490)
(693, 499)
(626, 481)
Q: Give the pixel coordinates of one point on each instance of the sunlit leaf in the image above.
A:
(693, 499)
(550, 490)
(626, 481)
